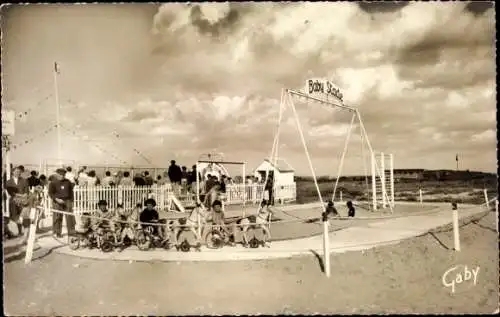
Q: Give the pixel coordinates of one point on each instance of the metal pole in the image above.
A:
(197, 184)
(7, 173)
(326, 248)
(273, 148)
(276, 147)
(58, 118)
(456, 234)
(392, 179)
(384, 189)
(244, 189)
(374, 183)
(362, 126)
(341, 165)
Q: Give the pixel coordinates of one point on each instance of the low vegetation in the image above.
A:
(469, 191)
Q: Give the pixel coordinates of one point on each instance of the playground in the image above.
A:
(360, 259)
(368, 281)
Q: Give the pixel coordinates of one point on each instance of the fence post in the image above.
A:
(341, 198)
(485, 191)
(34, 214)
(420, 195)
(326, 245)
(254, 193)
(456, 235)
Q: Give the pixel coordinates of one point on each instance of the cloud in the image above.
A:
(180, 79)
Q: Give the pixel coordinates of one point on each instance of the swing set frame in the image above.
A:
(287, 96)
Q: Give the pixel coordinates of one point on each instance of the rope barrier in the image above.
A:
(233, 223)
(355, 245)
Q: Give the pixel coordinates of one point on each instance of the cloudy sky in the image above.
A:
(178, 80)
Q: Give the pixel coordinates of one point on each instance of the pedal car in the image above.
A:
(150, 236)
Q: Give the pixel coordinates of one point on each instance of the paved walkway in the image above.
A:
(383, 232)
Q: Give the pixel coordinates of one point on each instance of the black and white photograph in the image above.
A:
(249, 158)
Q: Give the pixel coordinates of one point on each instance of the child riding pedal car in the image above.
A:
(218, 220)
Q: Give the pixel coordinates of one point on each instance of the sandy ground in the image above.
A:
(403, 278)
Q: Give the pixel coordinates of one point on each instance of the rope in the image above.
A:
(380, 243)
(341, 164)
(117, 135)
(14, 101)
(26, 112)
(33, 138)
(296, 220)
(306, 150)
(364, 163)
(95, 145)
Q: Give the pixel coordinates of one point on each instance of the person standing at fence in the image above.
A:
(184, 180)
(139, 180)
(43, 180)
(82, 176)
(69, 175)
(107, 179)
(17, 188)
(192, 179)
(148, 180)
(126, 181)
(175, 176)
(33, 180)
(269, 189)
(61, 193)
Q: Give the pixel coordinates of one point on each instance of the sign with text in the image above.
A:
(323, 88)
(8, 118)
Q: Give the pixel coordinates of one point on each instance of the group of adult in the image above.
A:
(22, 195)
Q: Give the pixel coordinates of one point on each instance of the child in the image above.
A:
(103, 216)
(331, 210)
(351, 209)
(149, 215)
(218, 220)
(125, 222)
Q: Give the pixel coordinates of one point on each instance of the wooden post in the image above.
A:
(420, 194)
(456, 235)
(485, 191)
(326, 247)
(31, 235)
(341, 199)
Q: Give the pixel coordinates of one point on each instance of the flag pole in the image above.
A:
(58, 110)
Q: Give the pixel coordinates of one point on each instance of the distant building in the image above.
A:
(415, 174)
(283, 173)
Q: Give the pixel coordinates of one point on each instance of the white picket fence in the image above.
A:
(86, 198)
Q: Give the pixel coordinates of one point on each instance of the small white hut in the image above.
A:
(283, 173)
